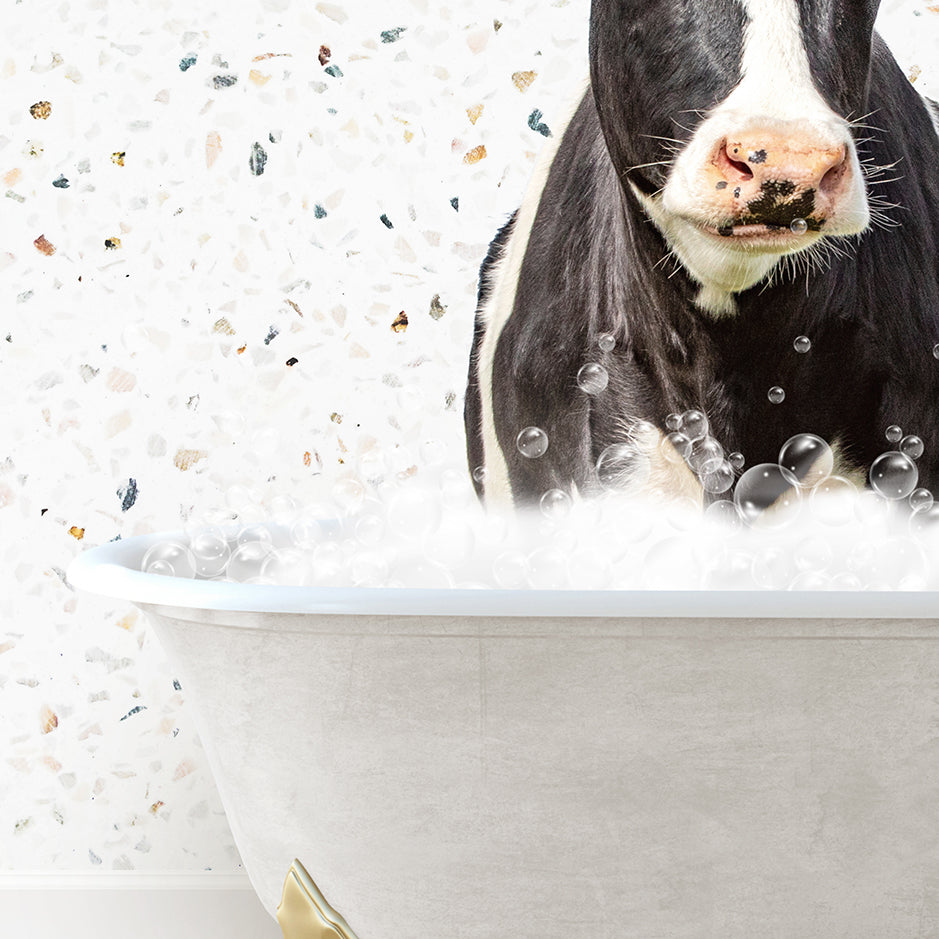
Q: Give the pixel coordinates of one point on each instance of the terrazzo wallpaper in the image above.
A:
(238, 252)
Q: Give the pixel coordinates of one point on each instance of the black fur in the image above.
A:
(591, 267)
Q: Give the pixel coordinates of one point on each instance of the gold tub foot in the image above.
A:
(304, 913)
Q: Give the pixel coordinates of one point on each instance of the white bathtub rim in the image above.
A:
(111, 570)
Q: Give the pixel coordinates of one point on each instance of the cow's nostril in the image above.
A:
(734, 170)
(832, 178)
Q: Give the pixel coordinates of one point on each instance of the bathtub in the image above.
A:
(548, 764)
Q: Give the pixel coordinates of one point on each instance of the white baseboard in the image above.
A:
(131, 905)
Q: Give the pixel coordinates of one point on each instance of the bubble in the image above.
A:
(510, 569)
(723, 512)
(593, 378)
(210, 552)
(921, 499)
(675, 447)
(802, 344)
(798, 226)
(894, 433)
(621, 465)
(606, 342)
(813, 554)
(169, 558)
(719, 479)
(773, 568)
(810, 580)
(414, 512)
(767, 495)
(547, 568)
(369, 568)
(287, 567)
(348, 494)
(736, 460)
(673, 421)
(776, 395)
(421, 573)
(912, 446)
(452, 544)
(555, 503)
(532, 442)
(247, 560)
(808, 458)
(924, 522)
(706, 455)
(832, 501)
(894, 475)
(479, 474)
(935, 351)
(282, 509)
(693, 424)
(251, 533)
(373, 466)
(370, 529)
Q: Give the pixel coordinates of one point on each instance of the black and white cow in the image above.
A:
(738, 173)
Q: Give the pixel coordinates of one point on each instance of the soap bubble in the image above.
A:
(736, 460)
(808, 458)
(593, 378)
(532, 442)
(373, 466)
(169, 558)
(798, 226)
(370, 529)
(693, 424)
(767, 495)
(210, 552)
(251, 533)
(719, 479)
(414, 512)
(287, 567)
(912, 446)
(776, 395)
(921, 499)
(547, 568)
(813, 554)
(247, 560)
(606, 342)
(621, 465)
(348, 494)
(924, 522)
(802, 344)
(706, 455)
(724, 513)
(673, 421)
(282, 509)
(479, 474)
(420, 573)
(832, 501)
(810, 580)
(894, 475)
(510, 569)
(871, 509)
(773, 568)
(894, 433)
(675, 447)
(935, 350)
(369, 568)
(555, 503)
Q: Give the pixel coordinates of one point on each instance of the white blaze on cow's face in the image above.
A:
(770, 171)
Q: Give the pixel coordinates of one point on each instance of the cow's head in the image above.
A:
(731, 120)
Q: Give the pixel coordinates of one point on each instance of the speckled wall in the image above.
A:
(238, 249)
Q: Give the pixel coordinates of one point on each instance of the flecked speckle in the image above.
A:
(536, 124)
(258, 159)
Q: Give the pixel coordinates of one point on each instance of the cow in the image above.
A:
(736, 228)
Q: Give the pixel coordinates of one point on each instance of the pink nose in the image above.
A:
(766, 176)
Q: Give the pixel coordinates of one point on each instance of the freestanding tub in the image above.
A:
(546, 764)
